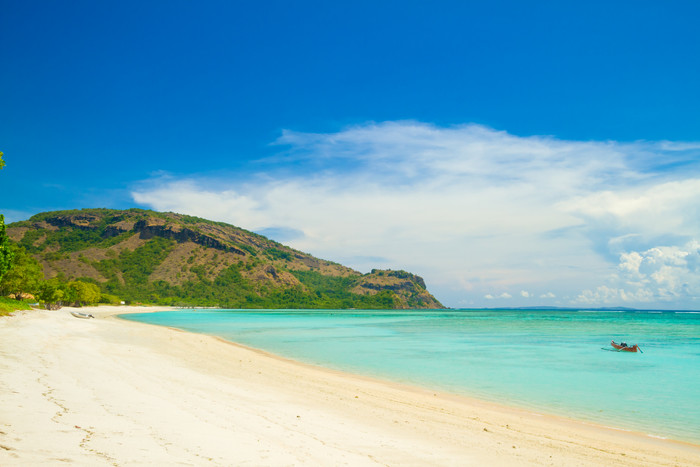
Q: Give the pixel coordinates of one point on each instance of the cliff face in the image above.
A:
(410, 288)
(171, 258)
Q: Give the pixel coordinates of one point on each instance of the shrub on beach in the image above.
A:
(109, 299)
(8, 305)
(24, 275)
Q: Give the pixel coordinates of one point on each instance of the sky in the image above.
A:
(511, 153)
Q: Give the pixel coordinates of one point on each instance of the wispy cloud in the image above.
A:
(481, 214)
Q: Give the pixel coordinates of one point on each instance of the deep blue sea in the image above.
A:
(543, 360)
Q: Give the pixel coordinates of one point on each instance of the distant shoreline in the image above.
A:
(107, 390)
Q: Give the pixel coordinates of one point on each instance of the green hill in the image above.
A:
(174, 259)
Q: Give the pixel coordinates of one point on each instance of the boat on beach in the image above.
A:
(78, 314)
(623, 347)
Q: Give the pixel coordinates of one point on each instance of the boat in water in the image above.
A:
(623, 347)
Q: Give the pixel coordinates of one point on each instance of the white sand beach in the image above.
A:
(106, 391)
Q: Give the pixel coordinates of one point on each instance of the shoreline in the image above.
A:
(114, 391)
(505, 404)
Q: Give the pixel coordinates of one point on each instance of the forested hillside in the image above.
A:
(165, 258)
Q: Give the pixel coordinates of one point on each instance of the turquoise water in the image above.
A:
(548, 361)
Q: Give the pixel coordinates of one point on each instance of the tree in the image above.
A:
(109, 299)
(6, 253)
(51, 293)
(85, 292)
(24, 276)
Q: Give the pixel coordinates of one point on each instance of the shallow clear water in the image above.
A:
(544, 360)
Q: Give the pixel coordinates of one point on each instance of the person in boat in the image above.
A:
(621, 344)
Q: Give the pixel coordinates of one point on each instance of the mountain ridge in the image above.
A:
(168, 258)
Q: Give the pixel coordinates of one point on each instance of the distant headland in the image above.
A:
(164, 258)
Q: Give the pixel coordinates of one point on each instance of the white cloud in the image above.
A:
(660, 275)
(504, 295)
(640, 216)
(469, 208)
(525, 294)
(604, 295)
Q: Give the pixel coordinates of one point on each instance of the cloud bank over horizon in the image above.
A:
(486, 217)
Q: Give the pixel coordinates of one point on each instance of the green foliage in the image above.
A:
(276, 253)
(319, 282)
(135, 266)
(55, 256)
(71, 293)
(231, 289)
(8, 305)
(110, 241)
(334, 292)
(24, 276)
(6, 253)
(128, 273)
(98, 212)
(251, 251)
(51, 291)
(71, 239)
(68, 239)
(109, 299)
(2, 162)
(191, 220)
(30, 238)
(85, 293)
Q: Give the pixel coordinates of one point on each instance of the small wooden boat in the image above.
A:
(78, 314)
(623, 347)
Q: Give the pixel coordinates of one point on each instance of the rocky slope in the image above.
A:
(168, 258)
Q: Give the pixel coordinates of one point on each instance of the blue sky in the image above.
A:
(512, 153)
